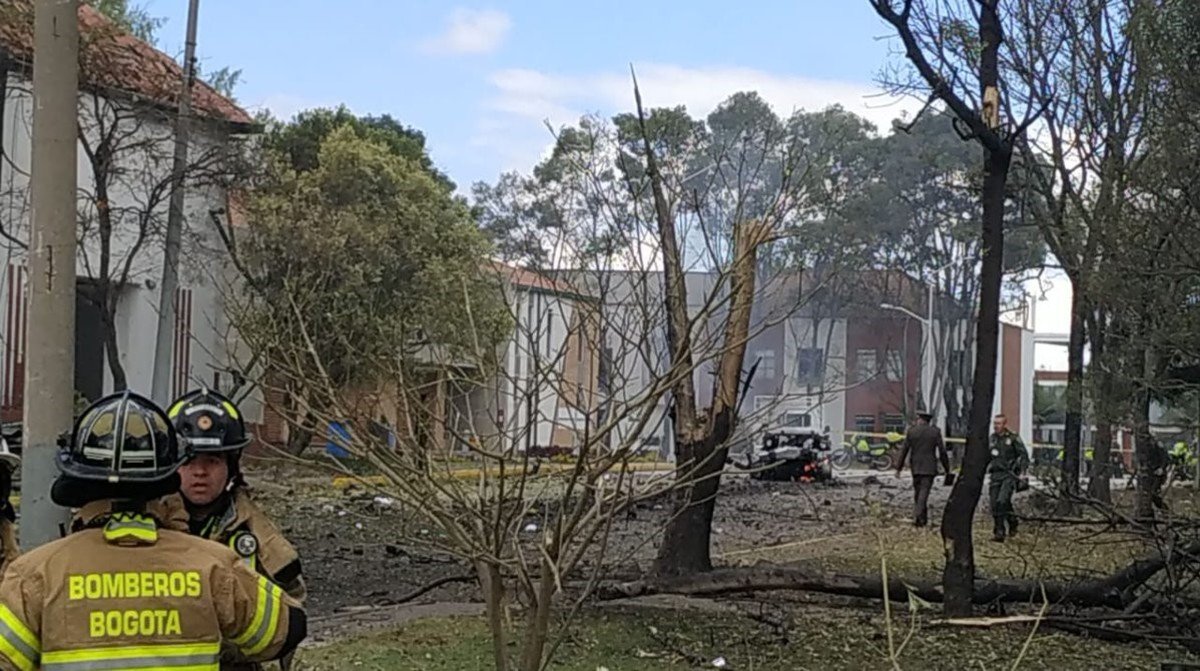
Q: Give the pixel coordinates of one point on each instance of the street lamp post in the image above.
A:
(928, 367)
(926, 340)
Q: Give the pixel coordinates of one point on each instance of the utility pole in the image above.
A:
(50, 345)
(161, 382)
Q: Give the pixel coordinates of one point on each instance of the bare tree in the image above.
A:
(1079, 63)
(554, 447)
(962, 71)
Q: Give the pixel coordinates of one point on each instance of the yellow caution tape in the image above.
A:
(853, 435)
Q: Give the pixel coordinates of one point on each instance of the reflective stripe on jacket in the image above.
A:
(124, 593)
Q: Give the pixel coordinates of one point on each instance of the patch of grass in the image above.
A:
(1039, 551)
(650, 640)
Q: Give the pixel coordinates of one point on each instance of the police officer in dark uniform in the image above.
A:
(1008, 462)
(927, 449)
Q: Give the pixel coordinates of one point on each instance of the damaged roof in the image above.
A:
(112, 59)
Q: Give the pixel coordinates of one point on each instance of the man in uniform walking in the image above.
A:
(1008, 462)
(214, 494)
(924, 442)
(129, 588)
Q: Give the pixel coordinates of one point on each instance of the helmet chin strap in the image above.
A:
(234, 480)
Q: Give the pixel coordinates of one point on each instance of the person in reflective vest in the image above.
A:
(214, 492)
(128, 587)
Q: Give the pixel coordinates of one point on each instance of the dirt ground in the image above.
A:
(355, 556)
(360, 561)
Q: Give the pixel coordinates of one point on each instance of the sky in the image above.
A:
(482, 81)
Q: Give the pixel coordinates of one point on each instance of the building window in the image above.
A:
(810, 365)
(766, 364)
(895, 367)
(762, 403)
(604, 371)
(864, 423)
(867, 364)
(797, 419)
(893, 423)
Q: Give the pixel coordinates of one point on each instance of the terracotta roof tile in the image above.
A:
(531, 279)
(112, 59)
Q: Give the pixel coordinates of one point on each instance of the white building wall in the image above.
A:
(543, 322)
(824, 402)
(137, 310)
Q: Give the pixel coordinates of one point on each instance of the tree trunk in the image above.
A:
(538, 619)
(958, 577)
(1068, 486)
(1150, 460)
(1102, 467)
(687, 538)
(492, 586)
(300, 436)
(111, 350)
(685, 541)
(686, 546)
(1099, 482)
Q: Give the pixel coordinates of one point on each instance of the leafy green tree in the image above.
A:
(135, 19)
(917, 211)
(300, 139)
(357, 262)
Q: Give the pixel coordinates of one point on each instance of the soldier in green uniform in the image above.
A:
(1007, 465)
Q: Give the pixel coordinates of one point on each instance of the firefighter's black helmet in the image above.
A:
(122, 438)
(208, 422)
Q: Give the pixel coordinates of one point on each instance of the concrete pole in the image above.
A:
(50, 346)
(160, 389)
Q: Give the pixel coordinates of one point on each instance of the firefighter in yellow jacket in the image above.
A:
(129, 588)
(214, 491)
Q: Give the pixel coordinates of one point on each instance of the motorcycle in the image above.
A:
(877, 456)
(1117, 468)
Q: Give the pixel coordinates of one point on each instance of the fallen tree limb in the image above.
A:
(1113, 591)
(988, 622)
(760, 578)
(421, 591)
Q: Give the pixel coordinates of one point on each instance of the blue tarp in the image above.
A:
(338, 440)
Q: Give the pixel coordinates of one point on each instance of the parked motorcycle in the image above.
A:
(1118, 466)
(877, 456)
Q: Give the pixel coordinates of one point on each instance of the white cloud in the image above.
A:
(560, 98)
(470, 31)
(523, 100)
